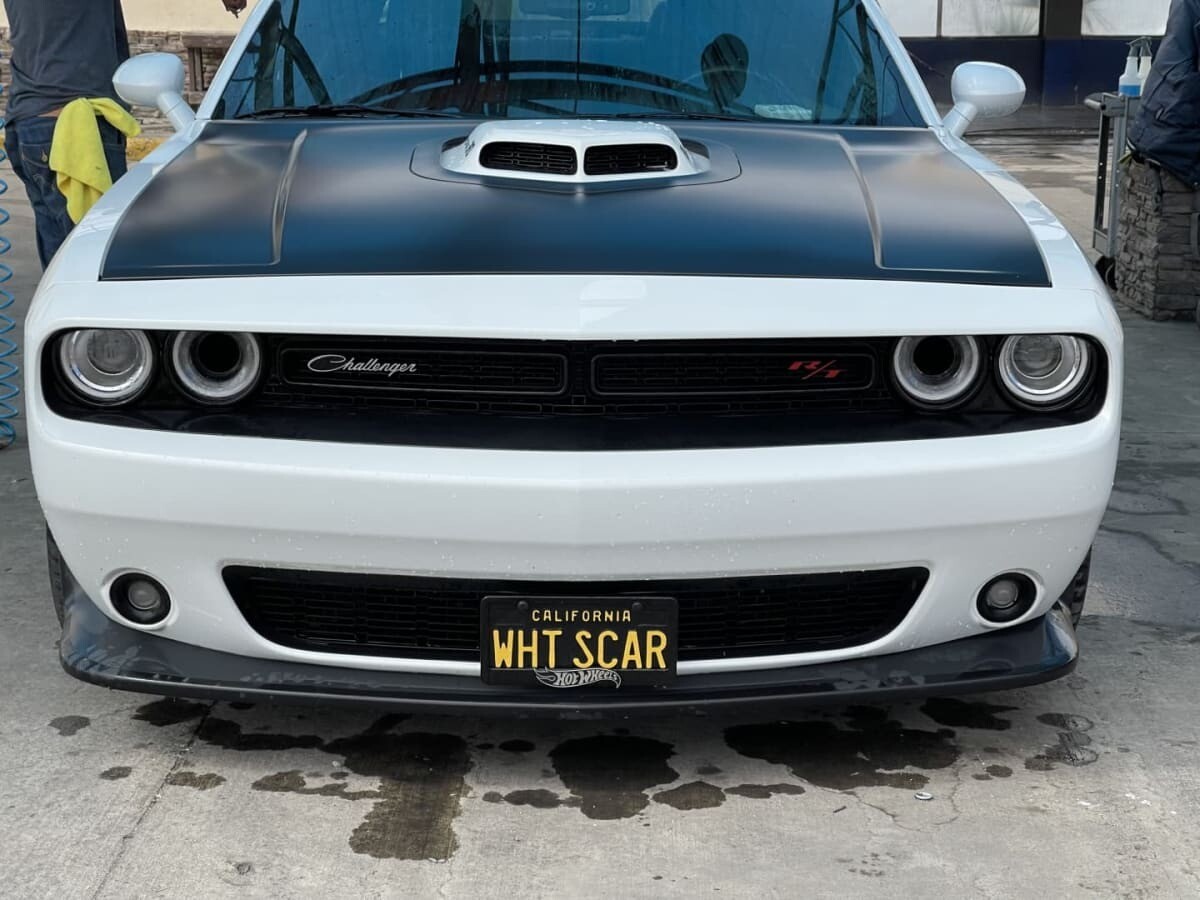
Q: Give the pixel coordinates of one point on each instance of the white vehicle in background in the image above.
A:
(560, 355)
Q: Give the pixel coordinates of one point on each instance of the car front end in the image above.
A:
(404, 412)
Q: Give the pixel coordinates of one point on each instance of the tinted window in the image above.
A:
(793, 60)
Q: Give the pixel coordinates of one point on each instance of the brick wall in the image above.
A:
(201, 55)
(1158, 269)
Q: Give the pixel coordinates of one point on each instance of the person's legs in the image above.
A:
(28, 145)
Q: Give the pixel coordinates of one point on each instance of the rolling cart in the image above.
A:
(1116, 114)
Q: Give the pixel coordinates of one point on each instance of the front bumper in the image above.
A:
(97, 650)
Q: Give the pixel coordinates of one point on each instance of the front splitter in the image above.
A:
(96, 649)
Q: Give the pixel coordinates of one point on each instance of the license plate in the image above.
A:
(576, 642)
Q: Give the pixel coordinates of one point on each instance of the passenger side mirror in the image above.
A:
(983, 90)
(155, 79)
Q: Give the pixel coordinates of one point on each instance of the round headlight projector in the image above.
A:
(216, 366)
(1043, 369)
(107, 366)
(937, 371)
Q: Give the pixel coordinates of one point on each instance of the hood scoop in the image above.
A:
(573, 151)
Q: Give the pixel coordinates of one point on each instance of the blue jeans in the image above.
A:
(27, 142)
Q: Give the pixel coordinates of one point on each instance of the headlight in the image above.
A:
(106, 366)
(216, 366)
(1043, 369)
(937, 371)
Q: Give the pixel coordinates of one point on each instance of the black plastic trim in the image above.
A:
(98, 650)
(578, 417)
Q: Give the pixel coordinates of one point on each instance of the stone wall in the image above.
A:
(1158, 268)
(201, 55)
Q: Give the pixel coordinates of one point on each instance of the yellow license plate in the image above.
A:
(576, 642)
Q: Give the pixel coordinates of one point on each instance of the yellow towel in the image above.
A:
(77, 153)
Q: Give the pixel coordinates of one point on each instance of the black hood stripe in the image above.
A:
(353, 198)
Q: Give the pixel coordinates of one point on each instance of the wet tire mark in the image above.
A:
(517, 746)
(967, 714)
(874, 752)
(693, 795)
(68, 726)
(610, 774)
(168, 711)
(764, 791)
(538, 798)
(205, 782)
(421, 782)
(1073, 747)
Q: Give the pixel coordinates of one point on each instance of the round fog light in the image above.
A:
(140, 599)
(1006, 598)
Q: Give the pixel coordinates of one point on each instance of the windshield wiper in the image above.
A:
(718, 117)
(345, 110)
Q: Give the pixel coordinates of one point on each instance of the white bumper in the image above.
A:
(182, 507)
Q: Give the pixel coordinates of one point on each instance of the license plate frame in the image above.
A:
(513, 614)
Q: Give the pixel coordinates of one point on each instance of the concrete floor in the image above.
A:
(1088, 786)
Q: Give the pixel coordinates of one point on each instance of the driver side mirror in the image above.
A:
(155, 79)
(983, 90)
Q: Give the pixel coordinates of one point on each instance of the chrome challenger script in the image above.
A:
(335, 362)
(569, 678)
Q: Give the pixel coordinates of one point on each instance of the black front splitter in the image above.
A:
(96, 649)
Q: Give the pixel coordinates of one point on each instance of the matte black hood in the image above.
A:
(299, 197)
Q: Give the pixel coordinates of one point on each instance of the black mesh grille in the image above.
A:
(551, 159)
(554, 379)
(628, 159)
(439, 618)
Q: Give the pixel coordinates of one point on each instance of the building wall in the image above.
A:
(172, 15)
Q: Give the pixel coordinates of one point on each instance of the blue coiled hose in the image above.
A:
(9, 370)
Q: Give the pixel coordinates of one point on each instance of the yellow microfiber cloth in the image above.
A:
(77, 153)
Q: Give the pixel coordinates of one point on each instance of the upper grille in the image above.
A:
(551, 159)
(629, 159)
(439, 618)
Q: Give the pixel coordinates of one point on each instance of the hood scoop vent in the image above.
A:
(576, 151)
(515, 156)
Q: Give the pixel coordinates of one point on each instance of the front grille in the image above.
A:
(549, 159)
(629, 159)
(581, 379)
(438, 618)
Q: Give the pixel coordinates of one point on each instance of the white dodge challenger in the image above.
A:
(570, 355)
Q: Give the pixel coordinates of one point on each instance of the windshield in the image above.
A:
(803, 61)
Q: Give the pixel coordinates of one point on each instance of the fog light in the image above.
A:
(1006, 598)
(140, 599)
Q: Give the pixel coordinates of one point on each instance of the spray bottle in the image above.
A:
(1146, 55)
(1131, 84)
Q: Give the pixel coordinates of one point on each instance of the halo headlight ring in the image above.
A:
(938, 372)
(216, 368)
(1043, 371)
(106, 366)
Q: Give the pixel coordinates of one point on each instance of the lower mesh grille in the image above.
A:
(438, 618)
(551, 159)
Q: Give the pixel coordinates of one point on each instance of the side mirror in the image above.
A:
(155, 79)
(983, 91)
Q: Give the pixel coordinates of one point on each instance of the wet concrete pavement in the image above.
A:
(1088, 786)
